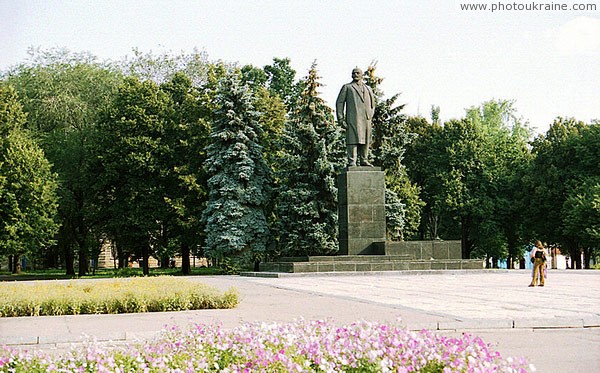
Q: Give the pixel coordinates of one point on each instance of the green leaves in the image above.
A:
(312, 155)
(469, 171)
(390, 140)
(238, 177)
(562, 181)
(28, 201)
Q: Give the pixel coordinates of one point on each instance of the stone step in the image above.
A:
(369, 266)
(348, 258)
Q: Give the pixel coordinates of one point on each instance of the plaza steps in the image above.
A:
(392, 256)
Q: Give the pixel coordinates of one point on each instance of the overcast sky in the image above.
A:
(432, 52)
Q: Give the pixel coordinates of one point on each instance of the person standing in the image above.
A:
(359, 102)
(538, 254)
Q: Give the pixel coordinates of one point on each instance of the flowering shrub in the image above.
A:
(318, 346)
(126, 295)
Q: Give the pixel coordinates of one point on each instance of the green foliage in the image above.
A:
(12, 117)
(470, 172)
(272, 120)
(239, 179)
(281, 82)
(424, 162)
(483, 182)
(312, 156)
(132, 149)
(254, 77)
(162, 67)
(142, 294)
(581, 212)
(130, 161)
(64, 94)
(186, 192)
(28, 201)
(390, 139)
(562, 182)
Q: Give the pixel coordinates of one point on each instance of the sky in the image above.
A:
(431, 52)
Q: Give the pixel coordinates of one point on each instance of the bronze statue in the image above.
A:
(359, 102)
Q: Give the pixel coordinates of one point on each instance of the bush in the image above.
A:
(127, 295)
(303, 346)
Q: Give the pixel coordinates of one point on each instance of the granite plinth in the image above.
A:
(361, 211)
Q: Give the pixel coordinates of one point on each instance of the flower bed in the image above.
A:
(125, 295)
(318, 346)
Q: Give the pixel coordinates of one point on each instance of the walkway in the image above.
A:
(557, 327)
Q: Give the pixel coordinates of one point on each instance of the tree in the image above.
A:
(281, 82)
(556, 171)
(312, 148)
(131, 150)
(64, 94)
(28, 201)
(581, 212)
(425, 161)
(501, 233)
(186, 191)
(470, 171)
(390, 139)
(238, 177)
(269, 90)
(161, 68)
(562, 179)
(254, 77)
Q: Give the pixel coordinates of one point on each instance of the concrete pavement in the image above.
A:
(557, 327)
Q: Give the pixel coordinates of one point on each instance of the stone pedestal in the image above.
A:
(361, 195)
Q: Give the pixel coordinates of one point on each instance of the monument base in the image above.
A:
(361, 211)
(396, 256)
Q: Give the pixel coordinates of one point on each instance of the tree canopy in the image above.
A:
(28, 201)
(172, 154)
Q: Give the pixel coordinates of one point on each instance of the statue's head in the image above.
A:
(357, 75)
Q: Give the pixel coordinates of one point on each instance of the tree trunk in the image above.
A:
(16, 267)
(512, 252)
(586, 257)
(83, 262)
(69, 261)
(576, 258)
(185, 259)
(146, 257)
(123, 259)
(465, 243)
(165, 262)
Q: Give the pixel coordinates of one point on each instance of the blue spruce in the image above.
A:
(239, 179)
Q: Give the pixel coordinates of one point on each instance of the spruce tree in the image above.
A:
(313, 153)
(239, 179)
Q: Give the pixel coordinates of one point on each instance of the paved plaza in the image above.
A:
(557, 327)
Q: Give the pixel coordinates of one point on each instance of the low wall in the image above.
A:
(425, 250)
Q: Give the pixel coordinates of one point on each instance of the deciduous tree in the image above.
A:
(28, 201)
(132, 148)
(64, 93)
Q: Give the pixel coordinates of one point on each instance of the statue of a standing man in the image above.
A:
(359, 101)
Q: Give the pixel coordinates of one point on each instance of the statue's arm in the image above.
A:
(372, 96)
(340, 102)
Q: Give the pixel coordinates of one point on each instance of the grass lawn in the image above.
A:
(118, 295)
(59, 274)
